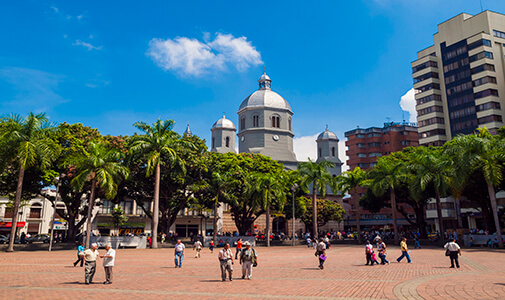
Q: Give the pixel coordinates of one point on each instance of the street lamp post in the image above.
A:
(293, 189)
(51, 238)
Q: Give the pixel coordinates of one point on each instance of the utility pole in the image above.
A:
(51, 238)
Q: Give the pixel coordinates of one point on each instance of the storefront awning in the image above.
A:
(9, 224)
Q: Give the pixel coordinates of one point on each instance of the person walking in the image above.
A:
(368, 253)
(416, 243)
(225, 257)
(248, 260)
(80, 250)
(211, 246)
(90, 256)
(381, 248)
(179, 253)
(321, 253)
(454, 250)
(239, 247)
(198, 247)
(405, 251)
(108, 263)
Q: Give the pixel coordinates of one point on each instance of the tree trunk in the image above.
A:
(156, 208)
(492, 197)
(358, 215)
(214, 225)
(439, 213)
(314, 211)
(268, 225)
(421, 221)
(90, 213)
(15, 212)
(393, 210)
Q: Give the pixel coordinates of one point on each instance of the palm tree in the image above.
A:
(431, 167)
(271, 188)
(103, 167)
(316, 174)
(386, 176)
(218, 187)
(486, 153)
(158, 146)
(347, 182)
(25, 143)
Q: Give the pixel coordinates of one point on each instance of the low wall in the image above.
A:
(229, 239)
(478, 239)
(138, 242)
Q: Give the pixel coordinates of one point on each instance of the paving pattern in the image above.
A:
(283, 273)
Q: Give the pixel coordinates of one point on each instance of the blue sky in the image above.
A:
(108, 64)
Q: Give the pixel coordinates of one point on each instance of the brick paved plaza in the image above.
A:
(283, 273)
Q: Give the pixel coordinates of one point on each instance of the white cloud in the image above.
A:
(79, 17)
(187, 56)
(306, 147)
(91, 36)
(87, 45)
(55, 9)
(36, 90)
(408, 104)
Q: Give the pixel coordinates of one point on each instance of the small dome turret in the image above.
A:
(224, 123)
(327, 135)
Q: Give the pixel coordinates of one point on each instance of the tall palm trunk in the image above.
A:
(215, 220)
(358, 215)
(439, 213)
(268, 225)
(15, 212)
(393, 208)
(492, 197)
(90, 212)
(314, 211)
(156, 208)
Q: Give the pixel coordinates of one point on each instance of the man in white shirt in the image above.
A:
(321, 252)
(454, 250)
(226, 261)
(90, 256)
(198, 247)
(108, 263)
(179, 253)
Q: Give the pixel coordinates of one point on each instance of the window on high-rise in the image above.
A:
(489, 119)
(484, 80)
(482, 68)
(499, 34)
(485, 93)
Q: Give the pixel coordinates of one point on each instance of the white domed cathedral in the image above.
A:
(265, 122)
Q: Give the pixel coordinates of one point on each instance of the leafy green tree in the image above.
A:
(103, 167)
(347, 182)
(25, 143)
(317, 175)
(271, 188)
(486, 153)
(431, 166)
(387, 175)
(327, 210)
(157, 146)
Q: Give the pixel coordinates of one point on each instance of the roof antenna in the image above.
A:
(264, 70)
(481, 8)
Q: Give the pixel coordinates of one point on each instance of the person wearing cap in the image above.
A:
(248, 259)
(108, 262)
(225, 257)
(90, 256)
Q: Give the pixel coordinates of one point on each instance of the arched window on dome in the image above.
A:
(256, 121)
(276, 121)
(289, 124)
(242, 124)
(333, 151)
(227, 142)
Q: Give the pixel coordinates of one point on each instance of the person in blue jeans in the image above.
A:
(179, 253)
(416, 243)
(405, 251)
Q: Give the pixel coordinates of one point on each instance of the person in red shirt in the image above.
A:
(239, 247)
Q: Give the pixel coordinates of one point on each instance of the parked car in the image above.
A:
(38, 238)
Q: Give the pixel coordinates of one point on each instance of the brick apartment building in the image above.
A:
(364, 147)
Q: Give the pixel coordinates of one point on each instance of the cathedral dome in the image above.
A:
(265, 97)
(327, 135)
(224, 123)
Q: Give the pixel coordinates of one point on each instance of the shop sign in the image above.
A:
(9, 224)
